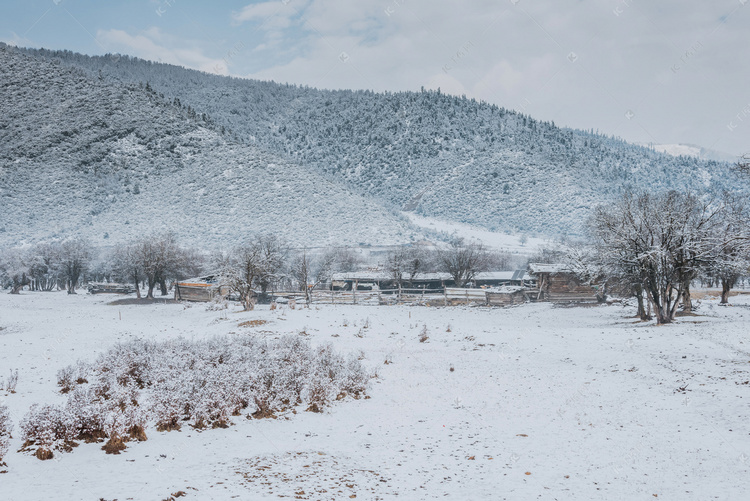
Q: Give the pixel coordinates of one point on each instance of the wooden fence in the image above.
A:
(430, 297)
(407, 296)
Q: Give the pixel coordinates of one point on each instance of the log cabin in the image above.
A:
(557, 283)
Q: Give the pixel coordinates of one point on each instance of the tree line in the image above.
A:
(651, 247)
(250, 269)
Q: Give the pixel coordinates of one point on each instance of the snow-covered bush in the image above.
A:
(70, 376)
(6, 426)
(49, 427)
(88, 413)
(201, 384)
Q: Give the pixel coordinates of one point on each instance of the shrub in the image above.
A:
(12, 382)
(424, 335)
(6, 427)
(49, 427)
(198, 383)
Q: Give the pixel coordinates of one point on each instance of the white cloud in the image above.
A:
(18, 41)
(517, 56)
(272, 15)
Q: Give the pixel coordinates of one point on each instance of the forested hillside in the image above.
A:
(113, 144)
(86, 156)
(440, 155)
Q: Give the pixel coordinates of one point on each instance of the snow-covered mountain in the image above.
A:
(86, 156)
(113, 145)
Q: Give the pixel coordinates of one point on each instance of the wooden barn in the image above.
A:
(201, 289)
(559, 284)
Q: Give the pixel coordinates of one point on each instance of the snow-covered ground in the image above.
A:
(517, 244)
(529, 402)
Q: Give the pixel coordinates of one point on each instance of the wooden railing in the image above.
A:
(434, 297)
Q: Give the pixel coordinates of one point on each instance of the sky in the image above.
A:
(659, 71)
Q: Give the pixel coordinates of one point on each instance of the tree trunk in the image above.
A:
(726, 286)
(72, 284)
(163, 286)
(687, 302)
(248, 301)
(641, 306)
(661, 307)
(151, 285)
(137, 285)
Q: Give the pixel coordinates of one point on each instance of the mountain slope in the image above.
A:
(82, 155)
(439, 155)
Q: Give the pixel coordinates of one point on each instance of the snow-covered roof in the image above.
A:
(502, 275)
(536, 268)
(506, 289)
(384, 275)
(199, 281)
(369, 275)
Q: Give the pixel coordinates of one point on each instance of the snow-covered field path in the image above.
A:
(530, 402)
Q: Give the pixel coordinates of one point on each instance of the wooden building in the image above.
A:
(559, 284)
(202, 289)
(508, 295)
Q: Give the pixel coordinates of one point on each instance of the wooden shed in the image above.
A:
(506, 296)
(559, 284)
(202, 289)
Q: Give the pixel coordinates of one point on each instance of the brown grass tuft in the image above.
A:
(252, 323)
(114, 445)
(314, 407)
(172, 425)
(92, 437)
(137, 433)
(43, 454)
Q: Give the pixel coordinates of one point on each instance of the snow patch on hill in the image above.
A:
(693, 151)
(518, 243)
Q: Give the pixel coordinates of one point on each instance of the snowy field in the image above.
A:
(530, 402)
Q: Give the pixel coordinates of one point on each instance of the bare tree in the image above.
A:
(732, 257)
(347, 260)
(405, 263)
(240, 272)
(46, 269)
(75, 256)
(14, 269)
(126, 263)
(272, 254)
(158, 257)
(660, 242)
(310, 271)
(257, 263)
(503, 260)
(463, 260)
